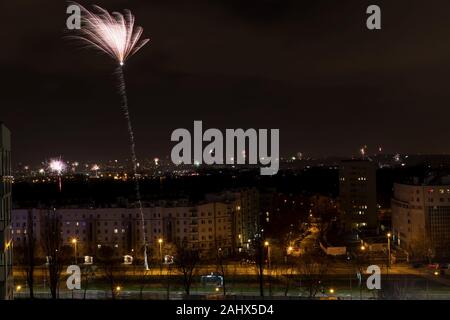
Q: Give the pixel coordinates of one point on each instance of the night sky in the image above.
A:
(309, 68)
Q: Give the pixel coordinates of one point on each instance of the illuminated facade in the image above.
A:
(6, 275)
(208, 226)
(421, 219)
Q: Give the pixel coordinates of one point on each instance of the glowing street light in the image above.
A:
(267, 244)
(160, 241)
(331, 290)
(74, 242)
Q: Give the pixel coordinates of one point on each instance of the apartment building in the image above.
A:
(421, 218)
(215, 223)
(6, 275)
(358, 194)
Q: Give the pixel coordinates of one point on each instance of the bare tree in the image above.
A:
(25, 253)
(260, 263)
(312, 270)
(52, 246)
(360, 263)
(88, 275)
(422, 249)
(109, 264)
(187, 260)
(287, 277)
(396, 289)
(221, 267)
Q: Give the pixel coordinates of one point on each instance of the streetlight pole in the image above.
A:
(363, 248)
(267, 244)
(74, 241)
(389, 253)
(350, 276)
(160, 241)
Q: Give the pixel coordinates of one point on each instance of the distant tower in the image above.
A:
(6, 275)
(358, 194)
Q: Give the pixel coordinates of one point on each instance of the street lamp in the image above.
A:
(74, 242)
(18, 288)
(331, 290)
(160, 241)
(267, 244)
(363, 248)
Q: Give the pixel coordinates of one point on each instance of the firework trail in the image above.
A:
(116, 35)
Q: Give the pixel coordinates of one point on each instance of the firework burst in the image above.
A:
(116, 35)
(57, 166)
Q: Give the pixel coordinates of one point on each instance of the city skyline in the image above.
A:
(312, 70)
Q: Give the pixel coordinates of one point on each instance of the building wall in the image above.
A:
(6, 276)
(207, 226)
(421, 219)
(358, 194)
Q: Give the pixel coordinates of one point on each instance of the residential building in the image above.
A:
(358, 194)
(206, 226)
(421, 218)
(6, 274)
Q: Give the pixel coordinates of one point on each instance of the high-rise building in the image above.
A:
(358, 194)
(421, 218)
(6, 281)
